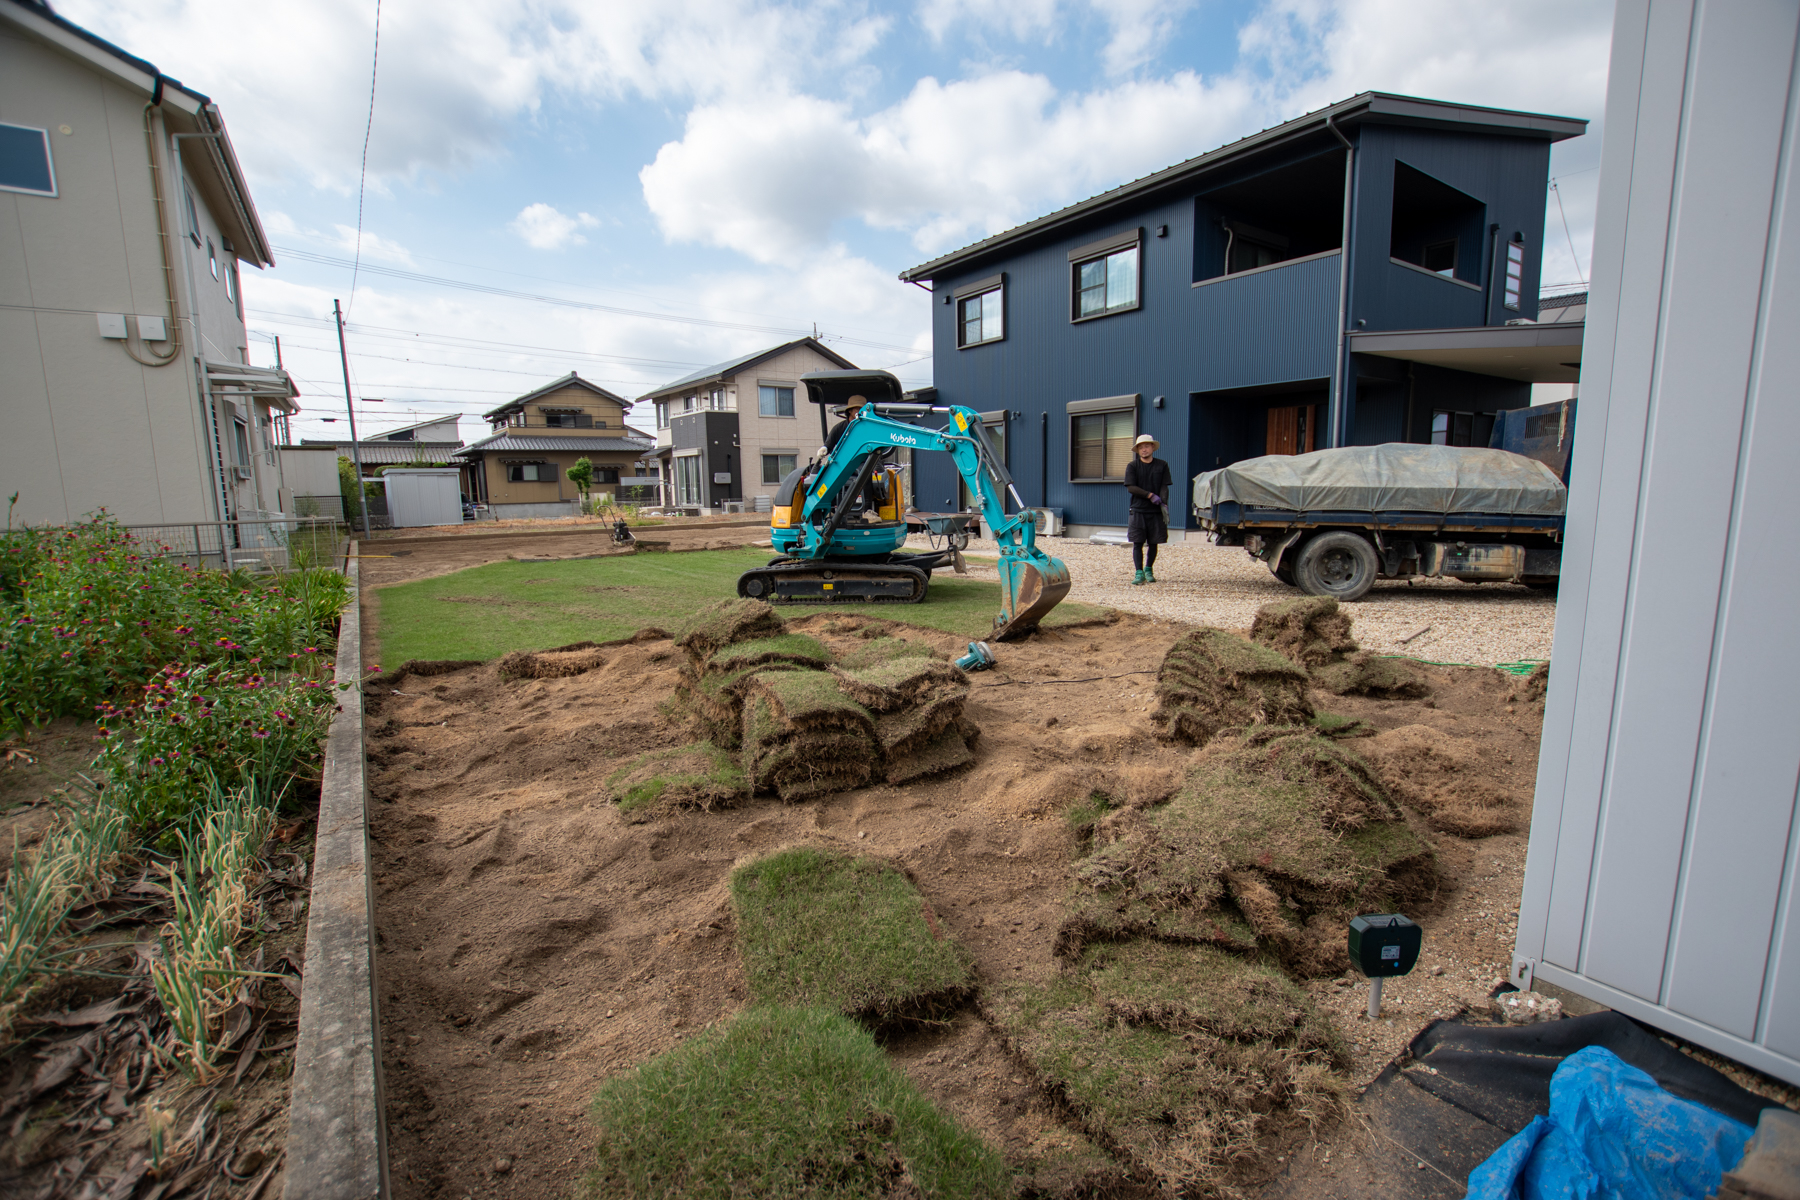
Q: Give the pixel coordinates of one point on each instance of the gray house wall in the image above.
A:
(1662, 870)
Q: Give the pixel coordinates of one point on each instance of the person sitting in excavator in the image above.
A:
(1148, 480)
(869, 500)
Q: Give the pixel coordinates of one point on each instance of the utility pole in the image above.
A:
(362, 494)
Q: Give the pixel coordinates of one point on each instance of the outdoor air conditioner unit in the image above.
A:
(1049, 522)
(241, 472)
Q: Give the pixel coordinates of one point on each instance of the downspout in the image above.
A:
(162, 243)
(1044, 454)
(1487, 293)
(1338, 366)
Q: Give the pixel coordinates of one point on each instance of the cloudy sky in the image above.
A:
(632, 189)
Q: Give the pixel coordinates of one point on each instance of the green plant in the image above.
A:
(197, 969)
(582, 476)
(782, 1102)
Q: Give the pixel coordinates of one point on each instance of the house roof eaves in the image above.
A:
(571, 379)
(513, 441)
(718, 371)
(1393, 109)
(143, 76)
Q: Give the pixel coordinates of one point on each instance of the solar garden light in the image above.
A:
(979, 657)
(1383, 944)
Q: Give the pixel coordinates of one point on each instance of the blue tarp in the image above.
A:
(1612, 1133)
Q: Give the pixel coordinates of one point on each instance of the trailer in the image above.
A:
(1332, 522)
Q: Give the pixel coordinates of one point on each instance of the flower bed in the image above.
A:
(212, 692)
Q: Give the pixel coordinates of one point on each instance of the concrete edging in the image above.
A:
(337, 1135)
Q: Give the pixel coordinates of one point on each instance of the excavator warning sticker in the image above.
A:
(822, 488)
(962, 422)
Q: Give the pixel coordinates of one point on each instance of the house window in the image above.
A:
(687, 480)
(1440, 258)
(777, 467)
(243, 443)
(689, 404)
(1247, 247)
(993, 426)
(662, 414)
(1515, 273)
(1461, 428)
(568, 420)
(606, 474)
(980, 311)
(1100, 433)
(231, 291)
(193, 214)
(25, 161)
(772, 401)
(530, 472)
(1105, 277)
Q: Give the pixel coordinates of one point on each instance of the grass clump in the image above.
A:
(853, 934)
(1309, 631)
(1372, 675)
(1212, 680)
(1176, 1057)
(700, 776)
(788, 1102)
(1274, 840)
(1334, 725)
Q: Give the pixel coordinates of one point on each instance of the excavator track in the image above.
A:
(834, 582)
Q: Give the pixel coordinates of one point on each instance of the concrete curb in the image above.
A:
(337, 1137)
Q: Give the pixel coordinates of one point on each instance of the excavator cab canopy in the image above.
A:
(846, 390)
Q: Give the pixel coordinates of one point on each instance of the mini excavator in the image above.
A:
(838, 527)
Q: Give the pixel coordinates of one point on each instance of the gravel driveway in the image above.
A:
(1203, 584)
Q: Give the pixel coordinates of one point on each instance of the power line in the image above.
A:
(363, 178)
(565, 302)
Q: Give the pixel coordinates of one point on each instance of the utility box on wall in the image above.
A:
(424, 496)
(1664, 855)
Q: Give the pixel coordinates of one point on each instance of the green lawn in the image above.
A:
(487, 611)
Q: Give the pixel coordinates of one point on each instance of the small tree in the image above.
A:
(582, 476)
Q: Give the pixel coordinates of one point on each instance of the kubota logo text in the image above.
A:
(903, 439)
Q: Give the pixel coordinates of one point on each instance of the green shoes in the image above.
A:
(1138, 578)
(1149, 575)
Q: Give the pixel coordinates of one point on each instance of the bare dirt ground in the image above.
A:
(534, 942)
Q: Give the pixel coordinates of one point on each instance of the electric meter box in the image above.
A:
(1384, 944)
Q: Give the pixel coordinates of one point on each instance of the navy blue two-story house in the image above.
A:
(1213, 304)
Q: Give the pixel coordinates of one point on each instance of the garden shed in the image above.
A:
(424, 496)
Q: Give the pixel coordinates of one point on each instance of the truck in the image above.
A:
(837, 524)
(1332, 522)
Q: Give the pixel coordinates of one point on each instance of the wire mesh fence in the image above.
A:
(265, 542)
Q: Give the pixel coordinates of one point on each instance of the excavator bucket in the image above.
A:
(1030, 586)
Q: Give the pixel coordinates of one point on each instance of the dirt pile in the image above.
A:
(1443, 778)
(1309, 631)
(1212, 681)
(1274, 840)
(1176, 1057)
(1536, 684)
(801, 722)
(1365, 674)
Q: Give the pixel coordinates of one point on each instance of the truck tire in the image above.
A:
(1338, 564)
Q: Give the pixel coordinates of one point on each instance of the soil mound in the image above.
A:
(1215, 1047)
(1273, 841)
(552, 664)
(1309, 632)
(1212, 680)
(1536, 684)
(804, 725)
(1371, 675)
(1442, 778)
(701, 776)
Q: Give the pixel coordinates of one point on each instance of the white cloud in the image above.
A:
(956, 160)
(544, 228)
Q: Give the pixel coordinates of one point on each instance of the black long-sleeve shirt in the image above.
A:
(1146, 479)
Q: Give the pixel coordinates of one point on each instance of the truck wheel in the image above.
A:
(1341, 565)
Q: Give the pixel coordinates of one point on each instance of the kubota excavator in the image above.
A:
(838, 527)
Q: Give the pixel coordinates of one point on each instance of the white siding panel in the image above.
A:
(1662, 871)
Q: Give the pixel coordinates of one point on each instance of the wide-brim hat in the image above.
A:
(1145, 439)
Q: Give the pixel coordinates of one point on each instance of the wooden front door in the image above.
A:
(1291, 429)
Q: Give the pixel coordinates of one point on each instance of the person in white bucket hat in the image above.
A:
(1148, 480)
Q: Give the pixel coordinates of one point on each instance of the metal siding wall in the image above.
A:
(1507, 174)
(1661, 868)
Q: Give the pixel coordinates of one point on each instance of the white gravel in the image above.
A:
(1203, 584)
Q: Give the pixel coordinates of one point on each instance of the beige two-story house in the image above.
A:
(124, 218)
(730, 432)
(523, 469)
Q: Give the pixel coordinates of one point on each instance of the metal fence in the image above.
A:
(265, 542)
